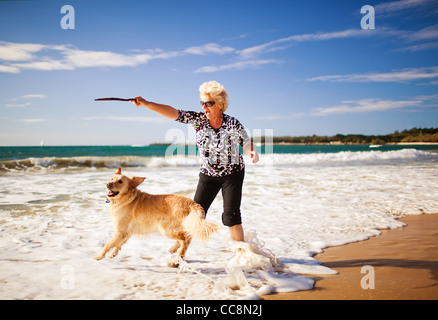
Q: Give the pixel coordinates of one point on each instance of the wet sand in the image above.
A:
(404, 265)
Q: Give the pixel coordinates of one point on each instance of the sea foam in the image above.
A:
(54, 222)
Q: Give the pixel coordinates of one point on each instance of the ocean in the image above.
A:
(297, 201)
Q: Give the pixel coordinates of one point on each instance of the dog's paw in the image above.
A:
(173, 264)
(99, 257)
(176, 263)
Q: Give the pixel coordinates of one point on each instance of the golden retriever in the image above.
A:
(139, 213)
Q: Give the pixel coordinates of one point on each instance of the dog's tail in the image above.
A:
(196, 225)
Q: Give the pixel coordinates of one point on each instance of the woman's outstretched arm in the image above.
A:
(162, 109)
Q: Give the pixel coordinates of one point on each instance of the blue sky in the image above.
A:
(290, 67)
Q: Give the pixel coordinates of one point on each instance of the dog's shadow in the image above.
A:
(197, 261)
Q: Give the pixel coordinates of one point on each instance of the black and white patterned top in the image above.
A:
(219, 149)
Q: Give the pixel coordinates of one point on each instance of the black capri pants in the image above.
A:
(231, 185)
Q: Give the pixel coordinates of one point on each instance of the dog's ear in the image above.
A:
(119, 170)
(136, 181)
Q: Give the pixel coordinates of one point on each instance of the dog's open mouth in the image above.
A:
(112, 193)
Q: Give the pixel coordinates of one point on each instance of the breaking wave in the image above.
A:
(360, 157)
(94, 162)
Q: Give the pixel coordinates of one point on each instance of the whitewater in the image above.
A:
(54, 220)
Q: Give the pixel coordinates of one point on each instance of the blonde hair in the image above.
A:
(217, 91)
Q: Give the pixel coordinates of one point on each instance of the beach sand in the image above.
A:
(404, 266)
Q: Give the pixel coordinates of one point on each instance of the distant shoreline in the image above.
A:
(343, 144)
(313, 144)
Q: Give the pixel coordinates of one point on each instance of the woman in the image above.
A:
(218, 137)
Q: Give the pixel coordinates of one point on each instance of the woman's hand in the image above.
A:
(251, 152)
(139, 102)
(254, 156)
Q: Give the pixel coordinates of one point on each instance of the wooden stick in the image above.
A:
(113, 99)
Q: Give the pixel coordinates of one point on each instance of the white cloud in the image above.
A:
(18, 56)
(393, 7)
(9, 69)
(33, 96)
(33, 120)
(421, 46)
(19, 51)
(47, 65)
(74, 58)
(428, 97)
(209, 48)
(403, 75)
(428, 33)
(24, 97)
(376, 105)
(284, 43)
(236, 65)
(18, 105)
(92, 59)
(28, 56)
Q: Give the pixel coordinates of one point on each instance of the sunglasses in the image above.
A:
(208, 104)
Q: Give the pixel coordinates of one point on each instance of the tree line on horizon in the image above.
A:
(412, 135)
